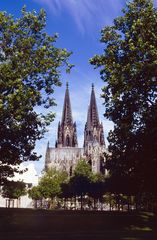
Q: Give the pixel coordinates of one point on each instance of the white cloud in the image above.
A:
(87, 14)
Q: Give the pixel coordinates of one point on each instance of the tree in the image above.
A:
(51, 182)
(97, 188)
(80, 181)
(35, 194)
(129, 70)
(30, 69)
(83, 168)
(14, 190)
(66, 192)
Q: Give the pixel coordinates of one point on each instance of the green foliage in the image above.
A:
(81, 179)
(35, 193)
(66, 190)
(97, 186)
(30, 69)
(14, 190)
(50, 183)
(83, 169)
(129, 70)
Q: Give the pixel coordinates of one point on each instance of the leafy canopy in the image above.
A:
(30, 69)
(129, 69)
(83, 169)
(81, 178)
(50, 183)
(14, 189)
(35, 193)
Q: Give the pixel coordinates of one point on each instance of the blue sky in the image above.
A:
(78, 23)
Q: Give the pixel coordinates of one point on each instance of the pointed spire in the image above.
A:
(88, 119)
(92, 117)
(67, 134)
(67, 115)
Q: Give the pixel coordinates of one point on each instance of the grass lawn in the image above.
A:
(24, 224)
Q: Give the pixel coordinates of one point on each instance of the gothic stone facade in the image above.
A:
(66, 153)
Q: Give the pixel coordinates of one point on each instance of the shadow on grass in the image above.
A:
(24, 224)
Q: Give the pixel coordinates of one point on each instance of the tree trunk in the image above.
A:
(118, 203)
(64, 203)
(128, 203)
(9, 203)
(41, 203)
(94, 203)
(75, 202)
(81, 201)
(136, 203)
(110, 204)
(122, 207)
(35, 204)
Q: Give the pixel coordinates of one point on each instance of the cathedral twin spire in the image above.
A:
(67, 134)
(66, 153)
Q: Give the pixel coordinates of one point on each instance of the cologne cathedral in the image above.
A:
(66, 153)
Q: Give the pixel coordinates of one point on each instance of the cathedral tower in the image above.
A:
(94, 143)
(67, 135)
(66, 154)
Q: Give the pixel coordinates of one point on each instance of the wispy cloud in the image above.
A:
(87, 14)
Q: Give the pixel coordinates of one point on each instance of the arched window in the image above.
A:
(102, 165)
(90, 162)
(67, 141)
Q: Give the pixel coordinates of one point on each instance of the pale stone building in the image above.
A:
(66, 152)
